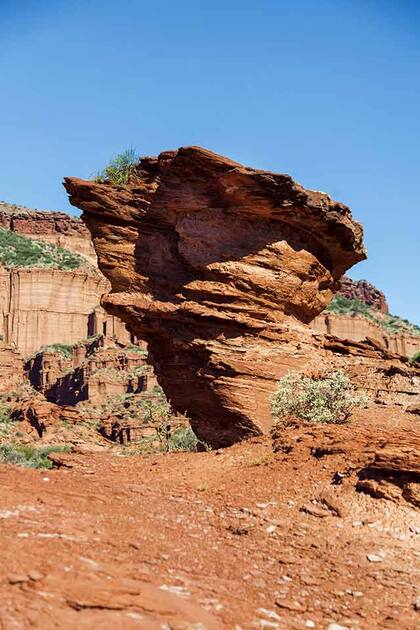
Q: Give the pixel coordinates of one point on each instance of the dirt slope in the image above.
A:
(202, 541)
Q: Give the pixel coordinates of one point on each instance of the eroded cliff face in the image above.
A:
(360, 328)
(217, 266)
(39, 307)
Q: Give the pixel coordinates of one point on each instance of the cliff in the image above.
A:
(43, 306)
(359, 328)
(218, 267)
(57, 228)
(11, 368)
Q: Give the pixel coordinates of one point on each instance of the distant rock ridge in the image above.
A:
(58, 228)
(365, 292)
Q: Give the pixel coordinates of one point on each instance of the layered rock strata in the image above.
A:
(218, 267)
(39, 307)
(360, 328)
(11, 368)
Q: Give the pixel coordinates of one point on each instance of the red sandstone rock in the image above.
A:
(217, 266)
(365, 292)
(11, 368)
(38, 413)
(381, 462)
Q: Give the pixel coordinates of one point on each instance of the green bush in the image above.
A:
(17, 250)
(181, 439)
(120, 169)
(326, 399)
(28, 456)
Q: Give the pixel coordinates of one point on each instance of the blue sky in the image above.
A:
(325, 90)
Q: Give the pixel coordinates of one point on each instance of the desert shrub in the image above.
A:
(119, 170)
(17, 250)
(28, 456)
(6, 423)
(180, 439)
(326, 399)
(415, 358)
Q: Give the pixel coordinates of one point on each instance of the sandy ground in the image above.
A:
(201, 541)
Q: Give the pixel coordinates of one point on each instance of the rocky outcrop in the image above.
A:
(218, 266)
(11, 368)
(58, 228)
(384, 463)
(39, 307)
(360, 328)
(106, 372)
(383, 376)
(365, 292)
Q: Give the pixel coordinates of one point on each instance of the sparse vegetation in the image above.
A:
(182, 439)
(120, 169)
(28, 456)
(64, 349)
(328, 398)
(17, 250)
(392, 324)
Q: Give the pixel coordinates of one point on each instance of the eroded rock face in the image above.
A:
(365, 292)
(218, 266)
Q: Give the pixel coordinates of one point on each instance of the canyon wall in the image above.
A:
(356, 328)
(219, 267)
(58, 228)
(39, 307)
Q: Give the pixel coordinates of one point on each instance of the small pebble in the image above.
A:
(310, 624)
(35, 575)
(17, 578)
(336, 626)
(374, 558)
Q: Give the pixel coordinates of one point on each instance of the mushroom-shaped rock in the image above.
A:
(218, 267)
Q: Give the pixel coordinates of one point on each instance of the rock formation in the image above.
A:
(218, 266)
(358, 328)
(58, 228)
(11, 368)
(365, 292)
(43, 306)
(384, 462)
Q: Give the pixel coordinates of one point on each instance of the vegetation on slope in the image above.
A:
(28, 456)
(325, 398)
(392, 324)
(119, 170)
(17, 250)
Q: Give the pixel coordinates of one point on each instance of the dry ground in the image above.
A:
(201, 541)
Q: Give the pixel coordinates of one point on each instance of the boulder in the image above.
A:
(219, 267)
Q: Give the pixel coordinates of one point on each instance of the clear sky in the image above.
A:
(325, 90)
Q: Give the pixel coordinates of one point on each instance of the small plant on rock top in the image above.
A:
(327, 398)
(119, 170)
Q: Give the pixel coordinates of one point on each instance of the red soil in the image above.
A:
(217, 539)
